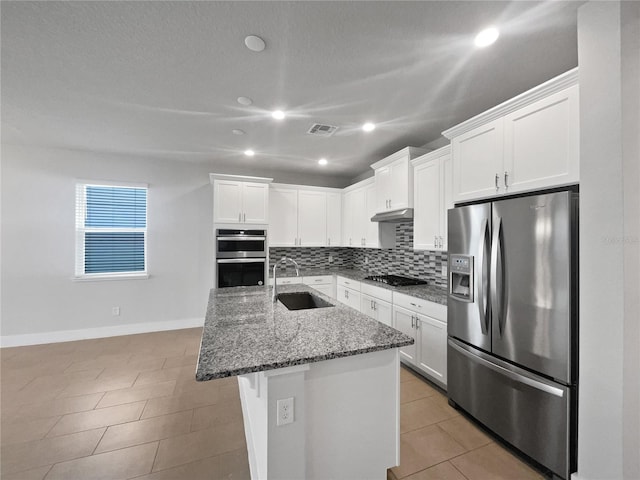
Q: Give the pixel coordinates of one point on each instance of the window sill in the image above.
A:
(113, 276)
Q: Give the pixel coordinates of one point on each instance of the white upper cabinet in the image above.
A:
(312, 218)
(358, 208)
(432, 198)
(529, 142)
(283, 215)
(334, 216)
(236, 200)
(394, 180)
(300, 216)
(541, 143)
(478, 160)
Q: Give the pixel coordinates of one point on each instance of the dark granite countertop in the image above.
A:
(244, 332)
(430, 293)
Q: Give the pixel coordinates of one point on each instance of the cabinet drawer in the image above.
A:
(431, 309)
(287, 280)
(318, 280)
(376, 292)
(348, 283)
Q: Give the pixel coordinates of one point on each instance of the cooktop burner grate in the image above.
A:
(395, 280)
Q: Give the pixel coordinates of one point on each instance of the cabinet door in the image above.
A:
(428, 206)
(283, 215)
(541, 143)
(477, 161)
(404, 320)
(399, 188)
(355, 218)
(432, 340)
(312, 218)
(349, 297)
(255, 202)
(370, 229)
(384, 312)
(446, 198)
(334, 219)
(383, 179)
(227, 201)
(367, 305)
(347, 219)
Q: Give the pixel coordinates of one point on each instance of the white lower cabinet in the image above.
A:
(322, 283)
(375, 308)
(348, 292)
(425, 322)
(375, 302)
(432, 355)
(404, 320)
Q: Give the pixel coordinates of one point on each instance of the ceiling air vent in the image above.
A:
(322, 130)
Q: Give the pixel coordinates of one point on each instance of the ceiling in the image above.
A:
(160, 79)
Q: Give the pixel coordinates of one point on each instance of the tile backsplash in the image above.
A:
(400, 260)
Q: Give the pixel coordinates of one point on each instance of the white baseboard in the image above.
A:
(99, 332)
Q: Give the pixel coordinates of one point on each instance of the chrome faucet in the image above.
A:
(282, 261)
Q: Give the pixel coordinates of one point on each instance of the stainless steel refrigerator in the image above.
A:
(513, 319)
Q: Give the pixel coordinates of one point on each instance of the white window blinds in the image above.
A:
(111, 230)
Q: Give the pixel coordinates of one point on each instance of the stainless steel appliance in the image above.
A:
(241, 257)
(395, 280)
(512, 322)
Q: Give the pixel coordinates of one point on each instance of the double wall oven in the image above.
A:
(241, 257)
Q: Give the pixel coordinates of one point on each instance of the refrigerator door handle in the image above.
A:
(517, 377)
(496, 281)
(483, 278)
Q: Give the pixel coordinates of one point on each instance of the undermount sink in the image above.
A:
(302, 301)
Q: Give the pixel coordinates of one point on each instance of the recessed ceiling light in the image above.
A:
(322, 161)
(237, 131)
(278, 114)
(367, 127)
(254, 43)
(249, 153)
(486, 37)
(244, 101)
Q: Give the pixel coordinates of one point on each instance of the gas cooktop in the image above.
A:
(395, 280)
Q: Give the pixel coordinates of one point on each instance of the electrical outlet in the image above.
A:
(330, 258)
(444, 270)
(115, 311)
(285, 411)
(366, 260)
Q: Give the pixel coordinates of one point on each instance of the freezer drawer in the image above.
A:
(528, 411)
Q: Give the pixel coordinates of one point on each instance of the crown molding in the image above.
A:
(431, 156)
(557, 84)
(238, 178)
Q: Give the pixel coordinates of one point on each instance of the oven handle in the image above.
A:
(243, 238)
(241, 260)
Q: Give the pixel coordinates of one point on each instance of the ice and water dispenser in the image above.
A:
(461, 277)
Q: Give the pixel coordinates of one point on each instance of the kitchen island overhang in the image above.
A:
(340, 367)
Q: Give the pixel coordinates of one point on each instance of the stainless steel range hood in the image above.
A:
(395, 216)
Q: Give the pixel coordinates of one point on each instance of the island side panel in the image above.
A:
(353, 416)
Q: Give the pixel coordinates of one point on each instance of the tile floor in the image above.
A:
(129, 407)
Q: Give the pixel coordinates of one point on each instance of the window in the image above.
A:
(111, 230)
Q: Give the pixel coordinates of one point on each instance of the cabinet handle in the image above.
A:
(240, 217)
(506, 176)
(328, 242)
(346, 294)
(417, 324)
(300, 242)
(371, 304)
(497, 177)
(412, 325)
(375, 306)
(349, 242)
(244, 217)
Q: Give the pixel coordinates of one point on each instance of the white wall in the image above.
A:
(38, 294)
(608, 426)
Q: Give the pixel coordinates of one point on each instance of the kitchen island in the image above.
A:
(339, 367)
